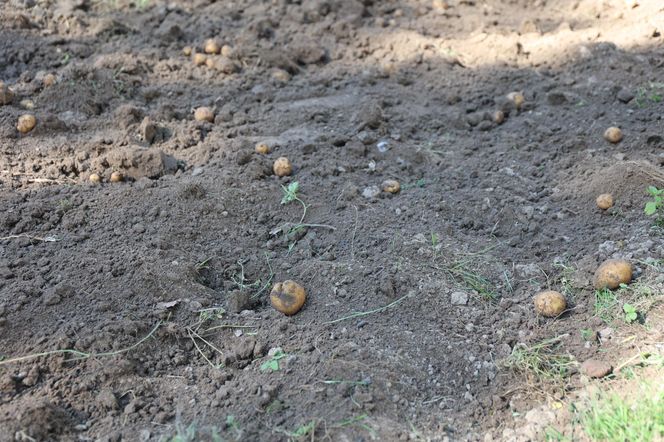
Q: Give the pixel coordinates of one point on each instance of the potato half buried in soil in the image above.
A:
(26, 123)
(611, 273)
(549, 303)
(288, 297)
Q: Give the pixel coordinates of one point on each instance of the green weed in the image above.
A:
(631, 314)
(614, 419)
(605, 303)
(273, 363)
(541, 362)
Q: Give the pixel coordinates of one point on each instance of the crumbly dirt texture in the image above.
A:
(160, 283)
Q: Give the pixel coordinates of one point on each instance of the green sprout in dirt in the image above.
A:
(273, 363)
(541, 362)
(655, 207)
(631, 314)
(290, 195)
(605, 303)
(650, 94)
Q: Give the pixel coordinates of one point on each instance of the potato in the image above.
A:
(391, 186)
(288, 297)
(604, 201)
(6, 94)
(611, 273)
(95, 178)
(209, 62)
(26, 123)
(226, 51)
(517, 98)
(116, 177)
(49, 80)
(211, 46)
(262, 148)
(498, 117)
(27, 104)
(187, 50)
(282, 167)
(549, 303)
(204, 114)
(281, 75)
(613, 135)
(199, 59)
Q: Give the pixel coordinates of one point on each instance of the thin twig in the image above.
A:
(80, 354)
(370, 312)
(36, 238)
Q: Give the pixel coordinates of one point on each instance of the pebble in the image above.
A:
(595, 368)
(625, 95)
(459, 298)
(371, 192)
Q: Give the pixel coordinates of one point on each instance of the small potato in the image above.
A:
(209, 62)
(211, 46)
(549, 303)
(204, 114)
(604, 201)
(611, 273)
(27, 104)
(26, 123)
(6, 94)
(613, 135)
(281, 75)
(226, 51)
(95, 178)
(391, 186)
(199, 59)
(116, 177)
(262, 148)
(187, 50)
(49, 80)
(517, 98)
(498, 117)
(282, 167)
(288, 297)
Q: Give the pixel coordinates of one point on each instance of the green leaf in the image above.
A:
(271, 365)
(651, 208)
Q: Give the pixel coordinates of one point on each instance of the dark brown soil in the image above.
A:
(184, 252)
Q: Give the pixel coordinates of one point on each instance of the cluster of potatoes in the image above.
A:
(26, 122)
(611, 274)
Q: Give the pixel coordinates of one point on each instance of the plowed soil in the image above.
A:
(153, 293)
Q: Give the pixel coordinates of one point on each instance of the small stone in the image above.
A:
(371, 192)
(106, 399)
(459, 298)
(595, 368)
(625, 95)
(484, 125)
(556, 98)
(197, 171)
(148, 130)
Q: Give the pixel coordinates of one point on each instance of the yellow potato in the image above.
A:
(95, 178)
(288, 297)
(211, 46)
(611, 273)
(549, 303)
(604, 201)
(199, 59)
(391, 186)
(282, 167)
(26, 123)
(517, 98)
(262, 148)
(204, 114)
(116, 177)
(498, 117)
(613, 135)
(281, 75)
(186, 51)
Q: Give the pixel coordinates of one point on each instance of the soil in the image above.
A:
(161, 282)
